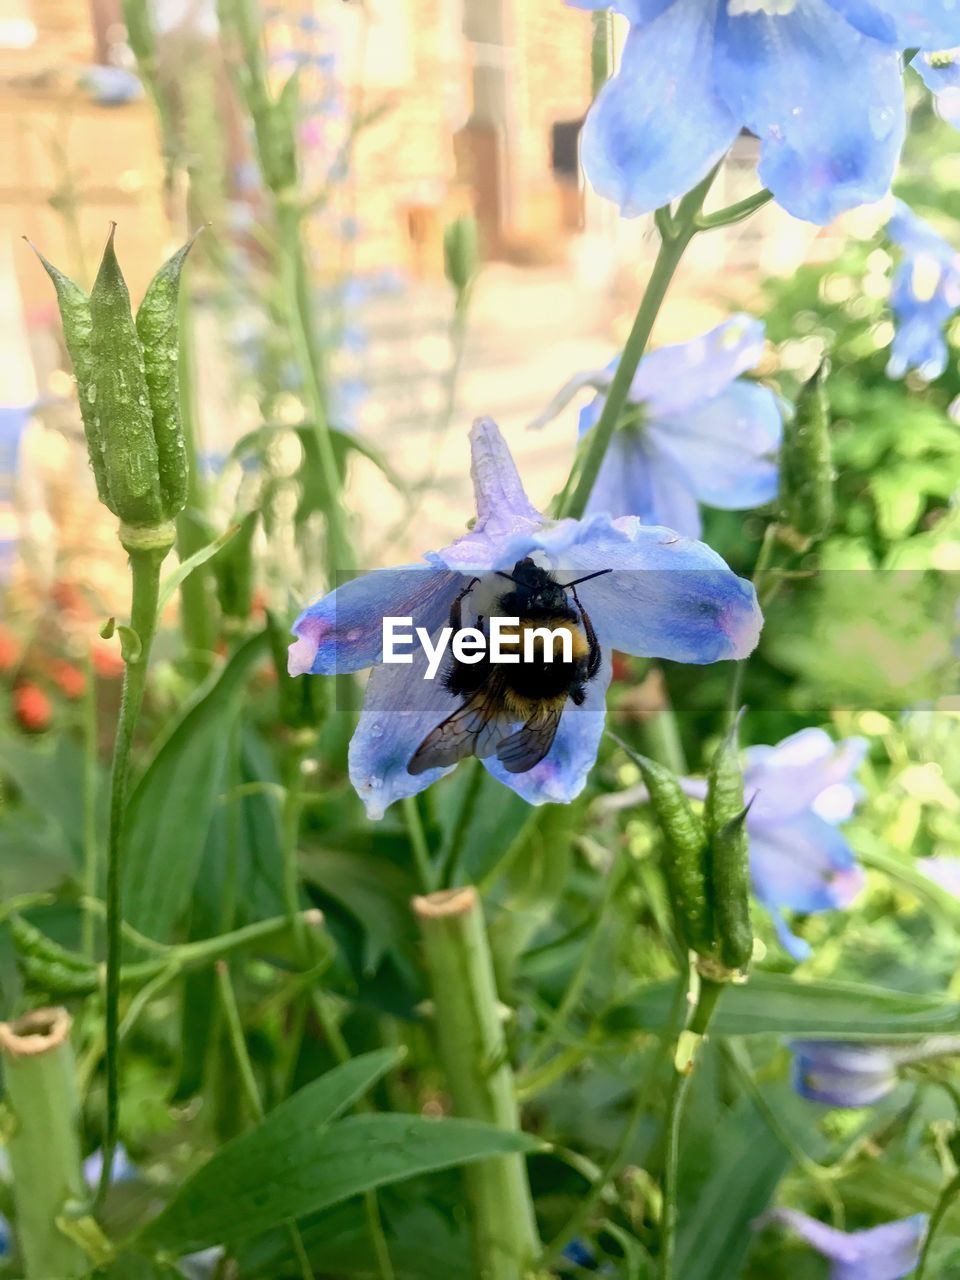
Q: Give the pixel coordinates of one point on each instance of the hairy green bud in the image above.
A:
(728, 858)
(128, 388)
(806, 466)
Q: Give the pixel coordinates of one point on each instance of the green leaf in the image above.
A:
(715, 1231)
(170, 809)
(374, 890)
(775, 1004)
(183, 571)
(288, 1166)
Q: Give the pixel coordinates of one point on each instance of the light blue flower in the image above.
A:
(695, 431)
(940, 72)
(925, 294)
(111, 86)
(665, 596)
(818, 81)
(843, 1074)
(887, 1252)
(799, 791)
(123, 1170)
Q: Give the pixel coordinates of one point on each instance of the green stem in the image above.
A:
(734, 212)
(688, 1044)
(91, 849)
(473, 1053)
(950, 1191)
(468, 804)
(764, 556)
(418, 843)
(145, 569)
(43, 1143)
(672, 248)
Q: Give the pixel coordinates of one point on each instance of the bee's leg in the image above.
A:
(456, 609)
(594, 656)
(578, 695)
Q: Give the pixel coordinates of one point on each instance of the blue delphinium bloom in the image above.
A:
(695, 431)
(925, 294)
(844, 1074)
(819, 83)
(665, 596)
(887, 1252)
(940, 72)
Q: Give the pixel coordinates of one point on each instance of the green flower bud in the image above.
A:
(686, 852)
(461, 254)
(129, 391)
(47, 966)
(302, 701)
(233, 570)
(806, 466)
(728, 865)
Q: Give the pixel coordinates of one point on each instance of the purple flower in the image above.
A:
(887, 1252)
(857, 1075)
(925, 294)
(694, 432)
(665, 596)
(819, 83)
(943, 871)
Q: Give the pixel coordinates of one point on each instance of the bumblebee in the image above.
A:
(497, 696)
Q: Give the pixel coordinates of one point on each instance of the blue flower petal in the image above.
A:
(657, 127)
(666, 597)
(916, 236)
(503, 508)
(784, 781)
(343, 631)
(400, 708)
(887, 1252)
(803, 865)
(635, 480)
(727, 446)
(825, 101)
(562, 775)
(905, 24)
(674, 379)
(843, 1075)
(939, 71)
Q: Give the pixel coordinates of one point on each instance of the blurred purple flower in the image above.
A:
(924, 296)
(111, 86)
(697, 431)
(844, 1074)
(887, 1252)
(943, 871)
(665, 597)
(124, 1170)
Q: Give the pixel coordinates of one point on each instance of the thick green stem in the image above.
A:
(473, 1053)
(44, 1143)
(145, 562)
(688, 1045)
(672, 247)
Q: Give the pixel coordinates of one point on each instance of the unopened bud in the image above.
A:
(729, 868)
(806, 466)
(461, 254)
(233, 570)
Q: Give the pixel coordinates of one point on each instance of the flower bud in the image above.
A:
(806, 466)
(129, 392)
(460, 254)
(729, 873)
(48, 967)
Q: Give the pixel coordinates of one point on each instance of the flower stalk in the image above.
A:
(44, 1143)
(472, 1049)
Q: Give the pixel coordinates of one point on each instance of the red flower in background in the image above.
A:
(32, 708)
(9, 650)
(107, 660)
(69, 679)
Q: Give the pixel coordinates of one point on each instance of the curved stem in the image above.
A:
(684, 1062)
(675, 236)
(951, 1190)
(145, 569)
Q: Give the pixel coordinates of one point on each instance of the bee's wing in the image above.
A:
(527, 747)
(474, 729)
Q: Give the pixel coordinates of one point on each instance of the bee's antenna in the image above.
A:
(509, 577)
(576, 582)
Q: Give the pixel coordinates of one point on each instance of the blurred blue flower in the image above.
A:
(844, 1074)
(696, 431)
(111, 86)
(940, 72)
(944, 871)
(124, 1170)
(6, 1237)
(925, 294)
(819, 83)
(887, 1252)
(665, 597)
